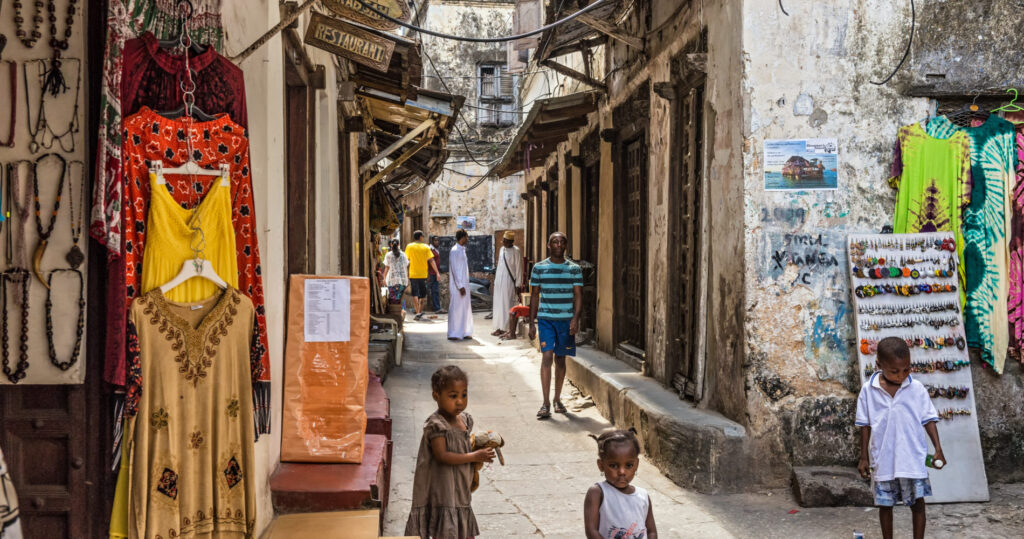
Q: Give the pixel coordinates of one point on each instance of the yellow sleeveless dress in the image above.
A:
(168, 246)
(169, 239)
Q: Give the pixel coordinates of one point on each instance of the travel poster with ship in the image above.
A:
(801, 165)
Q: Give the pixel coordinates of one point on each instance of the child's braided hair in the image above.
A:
(609, 437)
(446, 375)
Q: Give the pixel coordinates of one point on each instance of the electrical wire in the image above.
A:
(515, 37)
(910, 43)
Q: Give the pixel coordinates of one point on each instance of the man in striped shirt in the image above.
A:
(556, 299)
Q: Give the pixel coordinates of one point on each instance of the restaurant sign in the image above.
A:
(356, 10)
(348, 40)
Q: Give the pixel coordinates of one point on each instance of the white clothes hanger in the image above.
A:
(191, 168)
(197, 267)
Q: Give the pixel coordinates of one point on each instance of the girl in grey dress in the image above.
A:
(441, 496)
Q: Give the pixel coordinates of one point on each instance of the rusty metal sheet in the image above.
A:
(348, 40)
(355, 10)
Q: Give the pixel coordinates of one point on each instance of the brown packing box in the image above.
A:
(325, 382)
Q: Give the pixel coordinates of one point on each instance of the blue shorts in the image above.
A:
(901, 491)
(554, 337)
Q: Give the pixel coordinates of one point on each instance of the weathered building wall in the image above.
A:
(807, 76)
(495, 203)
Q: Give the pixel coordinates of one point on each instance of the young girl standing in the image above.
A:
(441, 496)
(613, 508)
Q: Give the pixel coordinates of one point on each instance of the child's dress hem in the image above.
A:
(442, 522)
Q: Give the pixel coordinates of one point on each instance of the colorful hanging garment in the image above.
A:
(10, 523)
(987, 223)
(933, 176)
(125, 20)
(170, 241)
(150, 137)
(189, 435)
(1016, 307)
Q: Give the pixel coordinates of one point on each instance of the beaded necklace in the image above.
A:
(44, 234)
(75, 256)
(17, 276)
(41, 130)
(12, 72)
(28, 39)
(79, 329)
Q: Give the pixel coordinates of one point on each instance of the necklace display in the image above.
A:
(75, 256)
(44, 234)
(53, 81)
(28, 39)
(12, 72)
(16, 209)
(40, 128)
(17, 276)
(79, 328)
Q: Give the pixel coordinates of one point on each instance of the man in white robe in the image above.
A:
(507, 280)
(460, 307)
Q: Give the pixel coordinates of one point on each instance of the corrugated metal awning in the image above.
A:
(549, 123)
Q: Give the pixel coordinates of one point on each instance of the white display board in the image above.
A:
(883, 269)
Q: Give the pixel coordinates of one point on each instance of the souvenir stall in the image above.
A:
(950, 281)
(173, 205)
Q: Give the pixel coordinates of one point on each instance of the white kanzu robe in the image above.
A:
(460, 308)
(507, 277)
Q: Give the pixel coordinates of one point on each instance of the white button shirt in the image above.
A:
(899, 443)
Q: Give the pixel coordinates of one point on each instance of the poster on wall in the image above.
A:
(466, 222)
(801, 164)
(907, 286)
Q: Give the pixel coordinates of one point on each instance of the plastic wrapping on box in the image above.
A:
(325, 382)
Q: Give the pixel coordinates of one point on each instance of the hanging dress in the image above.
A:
(986, 229)
(1016, 307)
(191, 453)
(170, 241)
(933, 179)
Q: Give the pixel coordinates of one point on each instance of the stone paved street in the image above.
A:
(550, 464)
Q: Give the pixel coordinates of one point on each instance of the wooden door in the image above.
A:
(590, 185)
(633, 327)
(300, 166)
(685, 234)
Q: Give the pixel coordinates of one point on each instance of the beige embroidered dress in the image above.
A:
(189, 417)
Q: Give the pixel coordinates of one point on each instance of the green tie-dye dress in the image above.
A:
(986, 225)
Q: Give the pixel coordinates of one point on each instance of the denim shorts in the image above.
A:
(901, 490)
(554, 337)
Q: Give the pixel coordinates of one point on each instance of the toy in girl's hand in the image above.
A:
(485, 440)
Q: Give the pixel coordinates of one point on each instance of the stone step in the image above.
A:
(831, 486)
(378, 409)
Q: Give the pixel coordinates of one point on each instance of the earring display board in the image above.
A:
(43, 85)
(906, 285)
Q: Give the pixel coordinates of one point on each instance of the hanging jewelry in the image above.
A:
(28, 39)
(19, 200)
(13, 74)
(44, 235)
(53, 81)
(75, 256)
(40, 129)
(15, 276)
(65, 365)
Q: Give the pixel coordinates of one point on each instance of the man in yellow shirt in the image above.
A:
(420, 258)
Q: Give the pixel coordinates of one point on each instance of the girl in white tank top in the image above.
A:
(614, 508)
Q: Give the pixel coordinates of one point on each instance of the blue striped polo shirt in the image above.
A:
(556, 282)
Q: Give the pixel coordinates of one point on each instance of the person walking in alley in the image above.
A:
(894, 412)
(442, 494)
(506, 281)
(396, 272)
(614, 507)
(556, 299)
(460, 304)
(420, 258)
(433, 282)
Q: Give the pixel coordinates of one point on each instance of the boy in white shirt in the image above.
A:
(898, 410)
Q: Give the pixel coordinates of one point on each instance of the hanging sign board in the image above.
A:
(356, 10)
(351, 41)
(906, 285)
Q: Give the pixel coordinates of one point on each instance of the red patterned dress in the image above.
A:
(149, 137)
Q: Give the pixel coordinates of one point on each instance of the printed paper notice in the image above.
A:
(328, 308)
(801, 165)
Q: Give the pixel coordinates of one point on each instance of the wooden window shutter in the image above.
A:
(527, 17)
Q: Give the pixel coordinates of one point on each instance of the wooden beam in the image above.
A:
(573, 74)
(396, 163)
(611, 31)
(397, 144)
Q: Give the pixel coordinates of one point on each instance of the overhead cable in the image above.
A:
(502, 39)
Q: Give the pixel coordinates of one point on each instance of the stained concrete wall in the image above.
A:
(807, 76)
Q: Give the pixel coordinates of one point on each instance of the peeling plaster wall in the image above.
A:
(495, 203)
(806, 76)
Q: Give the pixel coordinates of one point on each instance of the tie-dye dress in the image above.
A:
(1017, 246)
(987, 223)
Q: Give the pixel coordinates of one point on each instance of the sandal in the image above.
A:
(560, 408)
(544, 412)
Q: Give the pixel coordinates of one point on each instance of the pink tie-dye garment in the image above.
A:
(1016, 268)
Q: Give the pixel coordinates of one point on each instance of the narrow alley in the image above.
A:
(550, 464)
